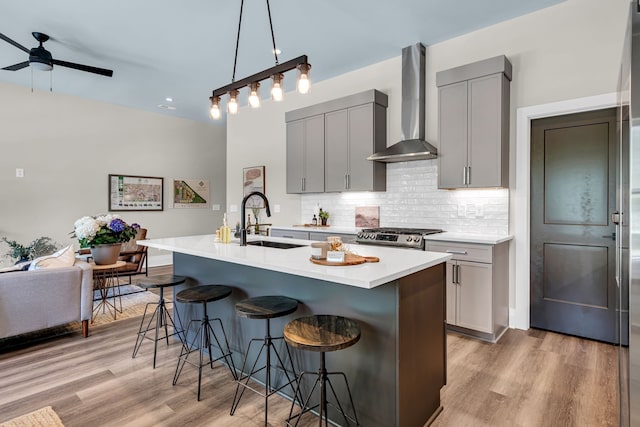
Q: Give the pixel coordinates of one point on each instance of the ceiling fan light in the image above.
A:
(276, 87)
(215, 108)
(232, 105)
(42, 66)
(303, 83)
(254, 96)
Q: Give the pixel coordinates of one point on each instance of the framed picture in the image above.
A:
(135, 193)
(190, 194)
(253, 180)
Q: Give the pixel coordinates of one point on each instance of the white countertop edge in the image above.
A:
(304, 269)
(486, 239)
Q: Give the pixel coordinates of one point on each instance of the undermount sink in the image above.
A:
(278, 245)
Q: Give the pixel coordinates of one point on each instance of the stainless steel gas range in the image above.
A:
(411, 238)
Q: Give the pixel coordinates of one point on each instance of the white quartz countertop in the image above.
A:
(394, 263)
(486, 239)
(330, 229)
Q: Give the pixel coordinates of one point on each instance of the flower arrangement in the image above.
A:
(92, 231)
(39, 247)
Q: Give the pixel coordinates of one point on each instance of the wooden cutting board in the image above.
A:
(349, 259)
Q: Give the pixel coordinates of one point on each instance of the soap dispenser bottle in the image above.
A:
(314, 221)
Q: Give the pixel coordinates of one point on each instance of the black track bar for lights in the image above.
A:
(262, 75)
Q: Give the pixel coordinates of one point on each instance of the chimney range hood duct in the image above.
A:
(413, 145)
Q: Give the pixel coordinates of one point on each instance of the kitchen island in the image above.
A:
(397, 368)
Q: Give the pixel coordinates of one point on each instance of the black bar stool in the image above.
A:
(267, 308)
(322, 333)
(160, 314)
(203, 294)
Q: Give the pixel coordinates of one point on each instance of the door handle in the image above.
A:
(453, 274)
(615, 217)
(611, 236)
(451, 251)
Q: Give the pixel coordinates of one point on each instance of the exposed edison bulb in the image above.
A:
(232, 105)
(303, 78)
(215, 108)
(254, 97)
(276, 87)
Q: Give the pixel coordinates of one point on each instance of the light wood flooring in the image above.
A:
(530, 378)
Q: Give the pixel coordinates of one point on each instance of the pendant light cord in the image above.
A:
(273, 37)
(235, 60)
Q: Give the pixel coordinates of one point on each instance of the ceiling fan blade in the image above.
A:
(17, 67)
(88, 68)
(16, 44)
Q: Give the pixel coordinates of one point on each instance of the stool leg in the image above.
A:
(227, 355)
(236, 397)
(322, 373)
(344, 414)
(142, 333)
(184, 353)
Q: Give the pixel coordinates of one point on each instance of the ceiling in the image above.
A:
(184, 50)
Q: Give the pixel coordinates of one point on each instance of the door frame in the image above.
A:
(519, 316)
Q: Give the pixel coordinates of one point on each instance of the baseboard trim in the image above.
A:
(159, 260)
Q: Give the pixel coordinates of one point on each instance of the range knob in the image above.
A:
(409, 239)
(360, 235)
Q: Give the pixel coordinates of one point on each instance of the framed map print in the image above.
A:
(191, 193)
(135, 193)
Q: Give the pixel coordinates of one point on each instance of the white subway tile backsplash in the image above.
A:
(412, 199)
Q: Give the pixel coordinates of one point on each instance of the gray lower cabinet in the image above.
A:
(473, 125)
(305, 155)
(291, 234)
(346, 238)
(477, 288)
(310, 235)
(351, 135)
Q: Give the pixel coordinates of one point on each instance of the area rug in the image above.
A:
(133, 305)
(44, 417)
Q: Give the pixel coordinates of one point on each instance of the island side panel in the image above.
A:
(421, 345)
(370, 364)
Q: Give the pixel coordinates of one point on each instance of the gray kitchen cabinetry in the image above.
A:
(477, 294)
(310, 235)
(291, 234)
(305, 155)
(473, 124)
(321, 236)
(353, 128)
(351, 135)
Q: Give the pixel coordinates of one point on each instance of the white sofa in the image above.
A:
(39, 299)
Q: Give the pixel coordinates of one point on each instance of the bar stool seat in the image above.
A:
(322, 333)
(203, 294)
(160, 313)
(265, 308)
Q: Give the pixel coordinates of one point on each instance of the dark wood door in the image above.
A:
(573, 288)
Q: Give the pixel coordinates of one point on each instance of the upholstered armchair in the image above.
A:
(134, 255)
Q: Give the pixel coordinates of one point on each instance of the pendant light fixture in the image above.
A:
(275, 73)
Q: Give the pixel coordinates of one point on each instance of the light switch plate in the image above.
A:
(233, 208)
(19, 173)
(215, 207)
(276, 208)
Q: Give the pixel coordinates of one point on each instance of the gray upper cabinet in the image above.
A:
(351, 135)
(354, 127)
(305, 155)
(473, 124)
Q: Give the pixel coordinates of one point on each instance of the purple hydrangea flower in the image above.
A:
(117, 225)
(135, 225)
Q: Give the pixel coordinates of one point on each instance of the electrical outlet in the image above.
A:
(215, 207)
(19, 173)
(462, 210)
(479, 211)
(233, 208)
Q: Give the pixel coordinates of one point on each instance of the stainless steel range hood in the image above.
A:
(413, 145)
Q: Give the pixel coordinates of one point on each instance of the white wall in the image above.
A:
(567, 51)
(67, 146)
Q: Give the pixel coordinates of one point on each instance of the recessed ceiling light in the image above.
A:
(166, 107)
(168, 99)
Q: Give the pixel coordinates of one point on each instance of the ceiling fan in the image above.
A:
(41, 59)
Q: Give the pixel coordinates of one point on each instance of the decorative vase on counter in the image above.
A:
(106, 254)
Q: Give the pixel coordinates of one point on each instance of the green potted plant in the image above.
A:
(324, 216)
(39, 247)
